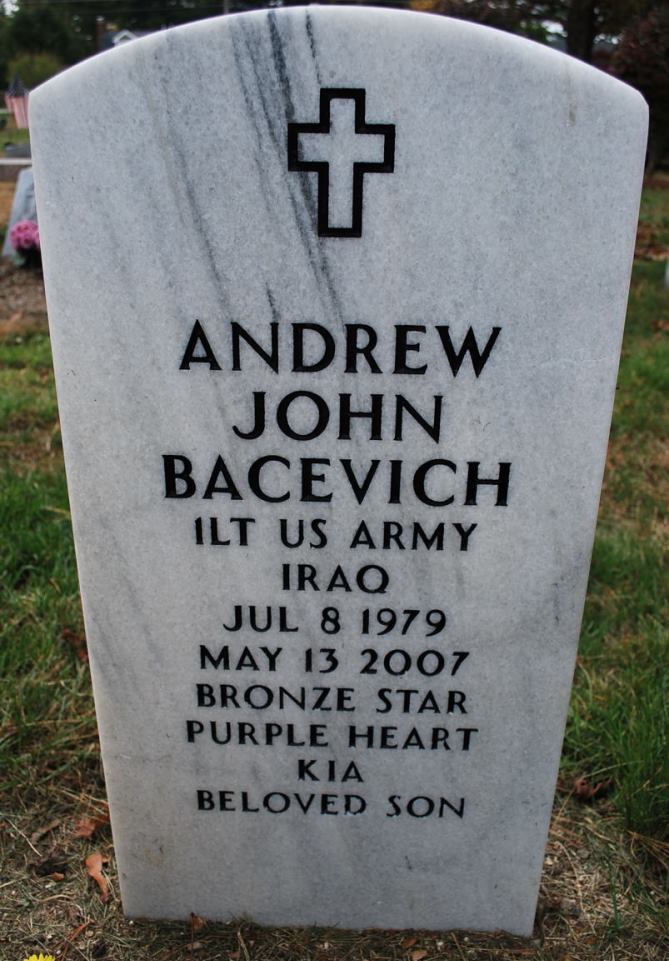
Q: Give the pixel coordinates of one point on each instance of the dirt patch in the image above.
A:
(22, 302)
(657, 180)
(41, 451)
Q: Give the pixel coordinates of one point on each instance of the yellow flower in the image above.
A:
(41, 957)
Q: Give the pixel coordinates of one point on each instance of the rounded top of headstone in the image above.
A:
(381, 27)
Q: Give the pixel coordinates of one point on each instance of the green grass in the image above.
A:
(47, 719)
(654, 212)
(46, 713)
(619, 720)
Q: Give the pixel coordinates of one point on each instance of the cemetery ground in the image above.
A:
(604, 888)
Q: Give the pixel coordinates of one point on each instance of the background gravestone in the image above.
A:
(336, 301)
(23, 207)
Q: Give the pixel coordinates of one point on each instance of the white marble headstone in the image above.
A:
(336, 300)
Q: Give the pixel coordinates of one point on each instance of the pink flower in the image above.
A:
(24, 235)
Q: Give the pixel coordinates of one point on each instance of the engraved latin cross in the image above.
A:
(341, 148)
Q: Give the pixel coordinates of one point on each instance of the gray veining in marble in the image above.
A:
(508, 202)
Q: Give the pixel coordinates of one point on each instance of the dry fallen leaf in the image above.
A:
(94, 864)
(74, 934)
(418, 955)
(86, 827)
(585, 791)
(78, 643)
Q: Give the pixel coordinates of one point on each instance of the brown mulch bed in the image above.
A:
(7, 188)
